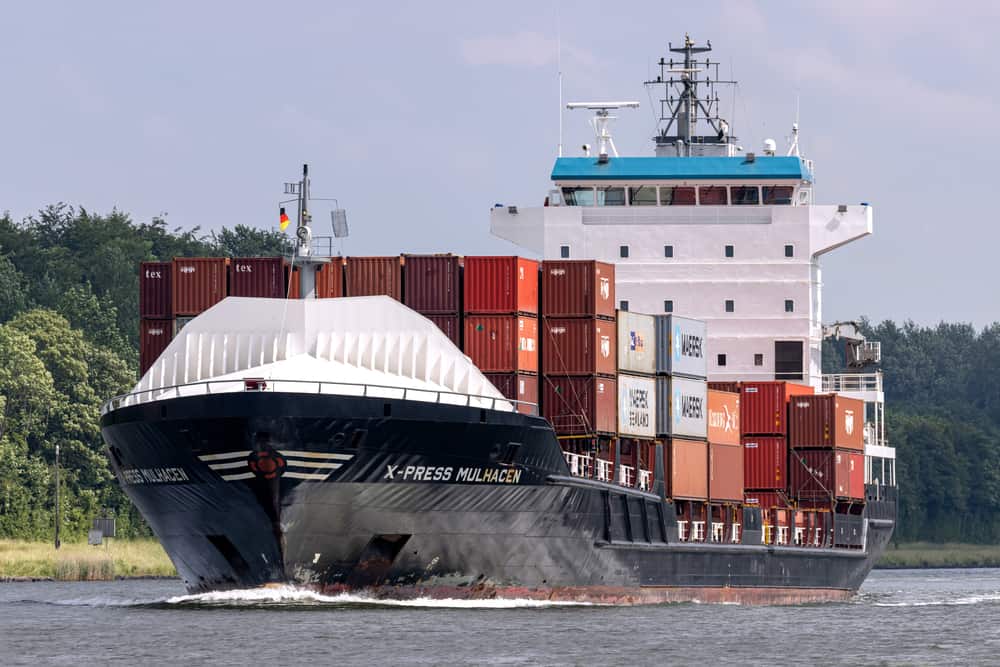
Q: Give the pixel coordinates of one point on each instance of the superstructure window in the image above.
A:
(789, 251)
(730, 251)
(564, 251)
(623, 305)
(578, 196)
(623, 251)
(789, 306)
(668, 305)
(720, 360)
(668, 251)
(713, 195)
(730, 306)
(611, 196)
(679, 196)
(758, 359)
(642, 195)
(777, 195)
(744, 195)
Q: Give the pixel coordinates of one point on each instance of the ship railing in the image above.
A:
(718, 531)
(697, 531)
(645, 479)
(256, 385)
(682, 531)
(604, 469)
(852, 382)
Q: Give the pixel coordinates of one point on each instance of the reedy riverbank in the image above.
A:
(78, 561)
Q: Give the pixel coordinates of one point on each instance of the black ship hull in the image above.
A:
(405, 499)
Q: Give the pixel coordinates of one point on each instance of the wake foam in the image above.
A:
(944, 602)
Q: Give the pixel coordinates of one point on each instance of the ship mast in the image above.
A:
(302, 256)
(687, 99)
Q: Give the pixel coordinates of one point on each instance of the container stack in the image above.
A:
(431, 287)
(263, 277)
(637, 355)
(371, 276)
(579, 394)
(156, 312)
(197, 284)
(500, 312)
(725, 453)
(826, 437)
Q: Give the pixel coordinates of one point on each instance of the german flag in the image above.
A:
(283, 220)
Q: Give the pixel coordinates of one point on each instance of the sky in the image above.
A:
(418, 117)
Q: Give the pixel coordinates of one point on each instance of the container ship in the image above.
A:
(640, 416)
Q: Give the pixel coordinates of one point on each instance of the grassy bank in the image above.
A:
(926, 554)
(82, 562)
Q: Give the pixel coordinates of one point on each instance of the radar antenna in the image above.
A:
(600, 124)
(683, 105)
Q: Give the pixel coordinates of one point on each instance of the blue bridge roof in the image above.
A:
(679, 168)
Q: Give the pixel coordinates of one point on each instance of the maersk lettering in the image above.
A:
(692, 346)
(638, 398)
(692, 407)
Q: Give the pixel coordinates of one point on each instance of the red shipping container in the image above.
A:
(501, 285)
(502, 343)
(517, 387)
(764, 406)
(576, 405)
(725, 472)
(329, 280)
(820, 475)
(257, 277)
(450, 325)
(687, 469)
(826, 420)
(578, 288)
(430, 283)
(154, 336)
(765, 462)
(369, 276)
(765, 499)
(155, 300)
(198, 283)
(579, 347)
(731, 387)
(724, 418)
(856, 483)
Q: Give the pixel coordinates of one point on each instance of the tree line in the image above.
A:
(69, 319)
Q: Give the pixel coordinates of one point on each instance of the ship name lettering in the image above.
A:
(489, 475)
(153, 475)
(426, 473)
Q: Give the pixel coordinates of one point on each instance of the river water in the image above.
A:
(902, 617)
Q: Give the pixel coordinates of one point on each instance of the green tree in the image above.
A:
(243, 241)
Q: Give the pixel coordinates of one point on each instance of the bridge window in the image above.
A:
(789, 306)
(611, 196)
(680, 196)
(623, 305)
(730, 251)
(564, 251)
(668, 251)
(642, 195)
(623, 251)
(713, 195)
(730, 306)
(578, 196)
(758, 359)
(744, 195)
(720, 360)
(789, 251)
(777, 195)
(668, 305)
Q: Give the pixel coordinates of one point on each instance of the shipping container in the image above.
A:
(370, 276)
(826, 420)
(636, 343)
(687, 463)
(821, 475)
(155, 302)
(154, 336)
(500, 285)
(257, 277)
(731, 387)
(579, 347)
(766, 500)
(681, 407)
(723, 417)
(577, 405)
(765, 462)
(636, 406)
(680, 346)
(502, 343)
(517, 387)
(431, 284)
(578, 288)
(450, 325)
(856, 483)
(329, 279)
(764, 406)
(198, 283)
(725, 472)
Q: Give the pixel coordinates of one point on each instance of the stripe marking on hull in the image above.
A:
(222, 457)
(313, 464)
(316, 455)
(224, 466)
(306, 475)
(243, 475)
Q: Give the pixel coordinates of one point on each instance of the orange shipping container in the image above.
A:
(501, 285)
(579, 347)
(724, 418)
(580, 405)
(502, 343)
(370, 276)
(725, 472)
(826, 420)
(687, 463)
(198, 283)
(764, 406)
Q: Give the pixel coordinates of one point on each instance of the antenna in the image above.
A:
(793, 145)
(600, 123)
(559, 74)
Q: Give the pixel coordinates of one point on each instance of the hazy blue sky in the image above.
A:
(419, 116)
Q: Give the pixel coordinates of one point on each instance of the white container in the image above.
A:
(636, 343)
(637, 406)
(680, 343)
